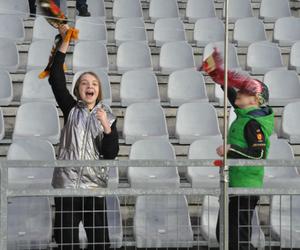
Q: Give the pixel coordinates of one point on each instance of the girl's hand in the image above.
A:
(102, 117)
(220, 150)
(63, 30)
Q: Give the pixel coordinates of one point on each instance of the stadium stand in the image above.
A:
(286, 31)
(126, 9)
(14, 29)
(290, 120)
(294, 59)
(200, 9)
(165, 9)
(6, 94)
(272, 10)
(43, 30)
(9, 56)
(15, 7)
(238, 9)
(92, 29)
(96, 8)
(2, 128)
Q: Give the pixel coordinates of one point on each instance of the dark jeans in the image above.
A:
(80, 3)
(32, 6)
(241, 210)
(69, 211)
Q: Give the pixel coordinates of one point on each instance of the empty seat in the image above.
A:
(130, 29)
(39, 120)
(196, 9)
(163, 9)
(168, 30)
(139, 86)
(170, 61)
(249, 30)
(270, 10)
(149, 177)
(208, 176)
(127, 8)
(38, 54)
(186, 85)
(35, 89)
(284, 87)
(290, 122)
(263, 57)
(92, 29)
(12, 28)
(9, 56)
(16, 7)
(144, 120)
(2, 128)
(238, 9)
(208, 30)
(196, 121)
(294, 57)
(287, 31)
(43, 30)
(90, 55)
(6, 94)
(96, 8)
(140, 59)
(162, 221)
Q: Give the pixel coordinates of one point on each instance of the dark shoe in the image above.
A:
(83, 11)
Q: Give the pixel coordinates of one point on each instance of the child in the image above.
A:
(89, 133)
(248, 138)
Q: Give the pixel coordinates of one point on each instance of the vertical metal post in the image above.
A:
(3, 205)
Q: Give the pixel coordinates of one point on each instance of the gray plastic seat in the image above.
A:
(196, 121)
(38, 120)
(90, 55)
(15, 7)
(186, 85)
(162, 221)
(208, 30)
(182, 59)
(38, 54)
(205, 177)
(238, 9)
(149, 177)
(144, 120)
(196, 9)
(13, 28)
(96, 8)
(130, 29)
(163, 9)
(270, 10)
(139, 86)
(91, 29)
(287, 31)
(140, 59)
(29, 223)
(105, 84)
(127, 8)
(263, 57)
(9, 56)
(168, 30)
(294, 57)
(35, 89)
(290, 122)
(249, 30)
(43, 30)
(282, 94)
(2, 128)
(6, 94)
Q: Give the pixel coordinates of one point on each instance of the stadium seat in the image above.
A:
(263, 57)
(290, 122)
(287, 31)
(15, 7)
(284, 87)
(138, 86)
(130, 29)
(43, 30)
(91, 29)
(196, 121)
(186, 85)
(105, 84)
(162, 221)
(2, 127)
(127, 8)
(238, 9)
(38, 120)
(35, 89)
(90, 55)
(208, 176)
(38, 54)
(140, 59)
(12, 28)
(149, 177)
(294, 57)
(270, 10)
(196, 9)
(249, 30)
(144, 120)
(9, 56)
(6, 93)
(96, 8)
(168, 30)
(163, 9)
(182, 59)
(29, 223)
(208, 30)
